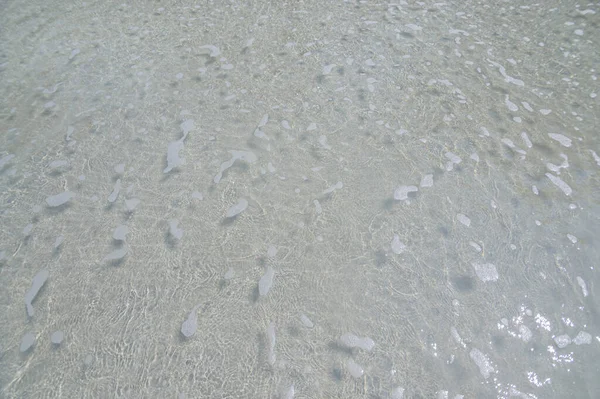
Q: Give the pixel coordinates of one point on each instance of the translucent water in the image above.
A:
(310, 199)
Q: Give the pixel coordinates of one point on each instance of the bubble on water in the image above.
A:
(173, 158)
(578, 32)
(453, 157)
(427, 181)
(507, 78)
(57, 337)
(115, 193)
(464, 219)
(36, 285)
(27, 342)
(480, 359)
(246, 156)
(355, 370)
(453, 160)
(318, 207)
(59, 240)
(306, 322)
(583, 286)
(582, 338)
(237, 208)
(476, 246)
(190, 325)
(572, 238)
(336, 186)
(70, 131)
(260, 134)
(186, 126)
(212, 50)
(535, 190)
(74, 52)
(5, 160)
(120, 168)
(401, 193)
(510, 105)
(131, 204)
(350, 340)
(272, 251)
(116, 255)
(557, 168)
(289, 393)
(397, 246)
(285, 124)
(27, 230)
(312, 126)
(271, 339)
(397, 393)
(457, 337)
(88, 360)
(527, 106)
(475, 157)
(59, 199)
(58, 164)
(229, 274)
(174, 230)
(562, 341)
(266, 281)
(328, 68)
(545, 111)
(120, 232)
(264, 120)
(508, 142)
(323, 142)
(485, 271)
(558, 182)
(561, 138)
(197, 195)
(526, 140)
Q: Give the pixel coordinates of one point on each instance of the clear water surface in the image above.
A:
(309, 199)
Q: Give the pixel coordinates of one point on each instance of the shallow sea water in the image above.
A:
(299, 199)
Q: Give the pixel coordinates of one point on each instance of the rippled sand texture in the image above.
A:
(310, 199)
